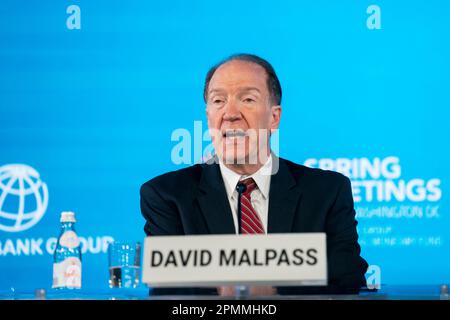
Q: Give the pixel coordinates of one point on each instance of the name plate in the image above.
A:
(211, 260)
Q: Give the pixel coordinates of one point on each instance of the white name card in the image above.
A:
(211, 260)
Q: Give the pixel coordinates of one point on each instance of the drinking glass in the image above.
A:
(124, 260)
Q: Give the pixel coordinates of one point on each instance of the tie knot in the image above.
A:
(250, 185)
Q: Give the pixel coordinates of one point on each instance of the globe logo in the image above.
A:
(23, 197)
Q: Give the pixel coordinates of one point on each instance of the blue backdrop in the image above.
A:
(91, 93)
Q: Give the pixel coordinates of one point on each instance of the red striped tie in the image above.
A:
(250, 221)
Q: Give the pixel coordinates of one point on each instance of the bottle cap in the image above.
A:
(67, 216)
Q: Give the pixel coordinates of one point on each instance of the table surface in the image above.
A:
(385, 292)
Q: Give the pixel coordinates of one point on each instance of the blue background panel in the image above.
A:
(92, 110)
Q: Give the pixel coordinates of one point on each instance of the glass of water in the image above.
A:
(124, 260)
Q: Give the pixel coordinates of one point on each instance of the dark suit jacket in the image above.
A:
(193, 201)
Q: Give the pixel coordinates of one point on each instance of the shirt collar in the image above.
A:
(261, 177)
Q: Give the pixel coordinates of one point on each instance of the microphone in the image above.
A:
(240, 188)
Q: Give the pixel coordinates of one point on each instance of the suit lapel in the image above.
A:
(213, 201)
(283, 198)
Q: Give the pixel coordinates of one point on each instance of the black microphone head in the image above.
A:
(241, 187)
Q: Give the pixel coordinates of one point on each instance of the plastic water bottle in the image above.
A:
(67, 256)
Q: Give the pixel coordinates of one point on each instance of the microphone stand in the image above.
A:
(240, 188)
(241, 291)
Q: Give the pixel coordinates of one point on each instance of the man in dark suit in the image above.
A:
(243, 97)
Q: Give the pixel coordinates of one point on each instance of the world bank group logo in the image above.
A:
(23, 197)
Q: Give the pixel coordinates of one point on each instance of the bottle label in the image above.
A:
(69, 239)
(67, 274)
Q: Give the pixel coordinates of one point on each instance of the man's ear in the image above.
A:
(275, 117)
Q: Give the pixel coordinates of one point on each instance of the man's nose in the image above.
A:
(232, 111)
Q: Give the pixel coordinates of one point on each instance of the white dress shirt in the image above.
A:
(259, 196)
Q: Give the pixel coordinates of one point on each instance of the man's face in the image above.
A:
(240, 113)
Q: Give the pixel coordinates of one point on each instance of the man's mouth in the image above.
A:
(234, 136)
(234, 133)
